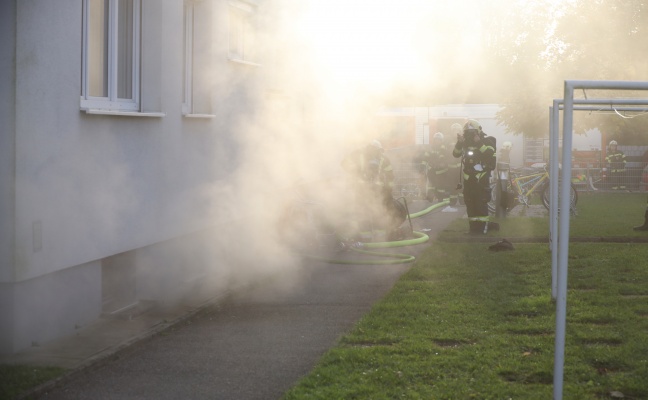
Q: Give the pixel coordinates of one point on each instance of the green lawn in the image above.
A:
(609, 214)
(17, 379)
(468, 323)
(598, 215)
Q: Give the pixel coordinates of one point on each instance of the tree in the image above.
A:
(583, 39)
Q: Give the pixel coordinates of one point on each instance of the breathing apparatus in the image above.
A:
(470, 159)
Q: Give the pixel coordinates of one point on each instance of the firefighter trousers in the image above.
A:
(476, 195)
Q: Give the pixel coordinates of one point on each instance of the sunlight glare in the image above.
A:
(359, 41)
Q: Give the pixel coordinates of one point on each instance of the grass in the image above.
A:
(609, 214)
(17, 379)
(598, 215)
(467, 323)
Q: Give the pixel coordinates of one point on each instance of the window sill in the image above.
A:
(244, 62)
(125, 113)
(199, 116)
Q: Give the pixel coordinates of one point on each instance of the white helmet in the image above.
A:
(456, 128)
(438, 136)
(613, 143)
(507, 146)
(376, 144)
(472, 125)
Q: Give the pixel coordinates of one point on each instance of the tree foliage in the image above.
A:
(539, 45)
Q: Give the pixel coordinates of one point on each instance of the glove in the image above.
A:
(479, 168)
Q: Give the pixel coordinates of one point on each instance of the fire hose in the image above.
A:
(386, 258)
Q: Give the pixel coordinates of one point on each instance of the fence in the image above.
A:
(590, 174)
(408, 181)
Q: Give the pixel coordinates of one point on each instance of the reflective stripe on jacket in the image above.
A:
(616, 161)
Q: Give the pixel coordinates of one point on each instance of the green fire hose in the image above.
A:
(386, 258)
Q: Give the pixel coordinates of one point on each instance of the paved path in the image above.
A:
(255, 345)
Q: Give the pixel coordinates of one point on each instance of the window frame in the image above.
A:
(195, 34)
(188, 52)
(243, 50)
(111, 102)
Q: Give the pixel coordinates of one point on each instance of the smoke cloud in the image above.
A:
(327, 68)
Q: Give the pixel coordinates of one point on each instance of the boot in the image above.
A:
(643, 227)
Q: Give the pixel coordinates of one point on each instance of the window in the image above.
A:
(188, 49)
(241, 32)
(197, 53)
(110, 61)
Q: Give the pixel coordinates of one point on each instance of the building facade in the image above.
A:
(119, 136)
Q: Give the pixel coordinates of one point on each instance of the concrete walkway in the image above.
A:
(252, 345)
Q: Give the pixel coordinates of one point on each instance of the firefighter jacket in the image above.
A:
(616, 161)
(478, 158)
(369, 166)
(453, 164)
(433, 160)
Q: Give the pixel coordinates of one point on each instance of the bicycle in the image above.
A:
(408, 181)
(524, 182)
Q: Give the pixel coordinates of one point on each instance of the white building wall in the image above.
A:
(56, 304)
(421, 121)
(91, 186)
(7, 138)
(7, 166)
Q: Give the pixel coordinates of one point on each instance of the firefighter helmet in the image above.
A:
(375, 146)
(438, 136)
(472, 125)
(472, 130)
(507, 145)
(456, 129)
(613, 143)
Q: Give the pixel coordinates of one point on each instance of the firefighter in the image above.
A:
(477, 152)
(432, 162)
(454, 169)
(505, 153)
(616, 165)
(373, 177)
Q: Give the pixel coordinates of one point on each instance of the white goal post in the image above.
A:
(560, 236)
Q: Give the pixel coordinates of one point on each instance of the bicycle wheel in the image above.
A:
(573, 196)
(492, 204)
